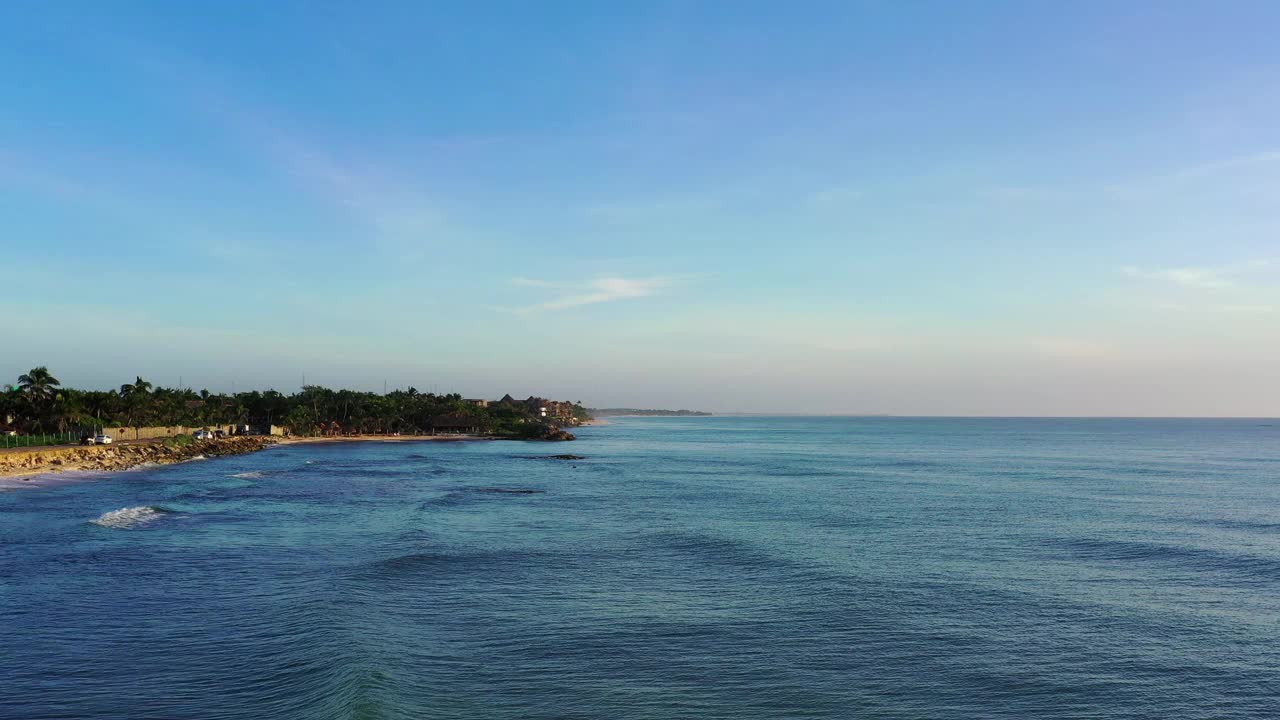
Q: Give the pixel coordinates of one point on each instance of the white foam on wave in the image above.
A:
(129, 517)
(248, 475)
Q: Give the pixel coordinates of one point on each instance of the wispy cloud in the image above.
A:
(1259, 165)
(1239, 275)
(388, 204)
(1231, 164)
(1243, 288)
(390, 209)
(530, 282)
(1198, 278)
(25, 173)
(376, 191)
(600, 290)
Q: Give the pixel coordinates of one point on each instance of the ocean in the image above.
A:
(720, 567)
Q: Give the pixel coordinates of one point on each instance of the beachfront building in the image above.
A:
(559, 411)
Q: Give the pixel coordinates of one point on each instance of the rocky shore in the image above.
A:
(109, 458)
(556, 434)
(19, 465)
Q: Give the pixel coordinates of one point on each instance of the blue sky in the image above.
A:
(901, 207)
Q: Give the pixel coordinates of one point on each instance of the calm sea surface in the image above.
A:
(688, 568)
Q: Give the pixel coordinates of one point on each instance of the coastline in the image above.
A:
(21, 466)
(24, 467)
(313, 440)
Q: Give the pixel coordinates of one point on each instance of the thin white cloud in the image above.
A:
(1263, 161)
(370, 193)
(1242, 288)
(600, 290)
(1198, 278)
(22, 172)
(375, 191)
(1239, 162)
(372, 190)
(1238, 275)
(531, 282)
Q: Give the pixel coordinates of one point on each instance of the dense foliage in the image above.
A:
(38, 403)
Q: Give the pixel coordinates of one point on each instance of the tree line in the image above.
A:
(38, 403)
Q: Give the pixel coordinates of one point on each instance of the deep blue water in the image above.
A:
(688, 568)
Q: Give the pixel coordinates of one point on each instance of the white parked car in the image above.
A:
(101, 439)
(202, 435)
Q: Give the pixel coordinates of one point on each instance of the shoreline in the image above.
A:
(315, 440)
(42, 466)
(20, 467)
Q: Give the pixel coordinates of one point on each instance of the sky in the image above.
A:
(921, 208)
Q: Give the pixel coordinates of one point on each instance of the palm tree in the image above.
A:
(136, 396)
(9, 404)
(38, 384)
(69, 408)
(138, 387)
(39, 390)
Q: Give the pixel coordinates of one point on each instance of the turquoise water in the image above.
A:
(688, 568)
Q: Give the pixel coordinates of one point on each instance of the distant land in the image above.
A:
(617, 412)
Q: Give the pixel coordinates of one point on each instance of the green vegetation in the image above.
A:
(64, 438)
(38, 404)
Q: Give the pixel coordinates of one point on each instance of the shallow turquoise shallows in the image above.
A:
(687, 568)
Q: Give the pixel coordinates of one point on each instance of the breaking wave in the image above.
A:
(125, 518)
(248, 475)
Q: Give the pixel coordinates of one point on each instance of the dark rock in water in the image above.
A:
(511, 491)
(565, 457)
(556, 434)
